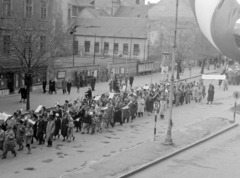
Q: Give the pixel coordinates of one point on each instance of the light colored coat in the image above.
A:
(141, 105)
(163, 107)
(50, 130)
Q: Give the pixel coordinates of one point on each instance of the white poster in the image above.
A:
(214, 77)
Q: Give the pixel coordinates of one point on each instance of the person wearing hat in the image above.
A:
(64, 126)
(70, 129)
(29, 135)
(88, 93)
(50, 130)
(57, 126)
(23, 92)
(20, 134)
(41, 130)
(2, 136)
(9, 144)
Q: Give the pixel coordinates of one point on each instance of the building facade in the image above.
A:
(11, 11)
(118, 37)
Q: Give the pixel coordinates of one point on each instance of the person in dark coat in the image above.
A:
(50, 87)
(44, 84)
(64, 127)
(117, 116)
(41, 130)
(69, 85)
(54, 87)
(88, 93)
(93, 82)
(131, 78)
(23, 92)
(57, 126)
(210, 94)
(149, 104)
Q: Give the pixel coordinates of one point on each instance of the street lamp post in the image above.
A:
(168, 139)
(94, 55)
(73, 47)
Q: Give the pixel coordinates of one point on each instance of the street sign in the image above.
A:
(156, 105)
(236, 94)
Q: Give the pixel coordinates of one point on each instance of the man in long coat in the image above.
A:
(23, 92)
(41, 130)
(64, 127)
(93, 82)
(50, 130)
(64, 86)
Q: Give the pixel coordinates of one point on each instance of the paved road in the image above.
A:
(88, 149)
(216, 158)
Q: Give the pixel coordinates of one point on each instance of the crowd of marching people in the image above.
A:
(92, 114)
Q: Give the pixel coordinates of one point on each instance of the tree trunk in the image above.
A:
(28, 97)
(202, 67)
(28, 83)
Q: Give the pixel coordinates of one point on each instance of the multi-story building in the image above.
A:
(115, 37)
(10, 12)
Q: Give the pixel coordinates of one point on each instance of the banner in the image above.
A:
(214, 77)
(4, 116)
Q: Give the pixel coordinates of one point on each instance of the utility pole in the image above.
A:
(168, 139)
(73, 48)
(94, 49)
(113, 47)
(131, 48)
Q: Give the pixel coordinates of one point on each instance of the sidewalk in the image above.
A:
(10, 104)
(137, 158)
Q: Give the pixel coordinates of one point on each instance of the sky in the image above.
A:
(151, 1)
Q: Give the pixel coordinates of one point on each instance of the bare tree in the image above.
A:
(205, 50)
(32, 46)
(185, 43)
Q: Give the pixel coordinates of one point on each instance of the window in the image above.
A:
(29, 9)
(96, 47)
(43, 10)
(42, 43)
(74, 11)
(106, 47)
(136, 50)
(69, 12)
(6, 44)
(115, 48)
(137, 2)
(7, 8)
(125, 49)
(87, 46)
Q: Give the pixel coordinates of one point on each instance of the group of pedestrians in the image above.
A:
(90, 115)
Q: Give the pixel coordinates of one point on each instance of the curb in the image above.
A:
(175, 153)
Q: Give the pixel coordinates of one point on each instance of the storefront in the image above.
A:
(145, 67)
(10, 82)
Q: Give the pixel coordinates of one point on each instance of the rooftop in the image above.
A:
(112, 26)
(82, 2)
(136, 11)
(98, 12)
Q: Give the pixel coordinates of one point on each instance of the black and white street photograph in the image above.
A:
(119, 88)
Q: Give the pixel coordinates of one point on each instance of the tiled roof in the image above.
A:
(137, 11)
(112, 26)
(98, 12)
(81, 2)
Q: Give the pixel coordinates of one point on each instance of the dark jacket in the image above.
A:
(23, 92)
